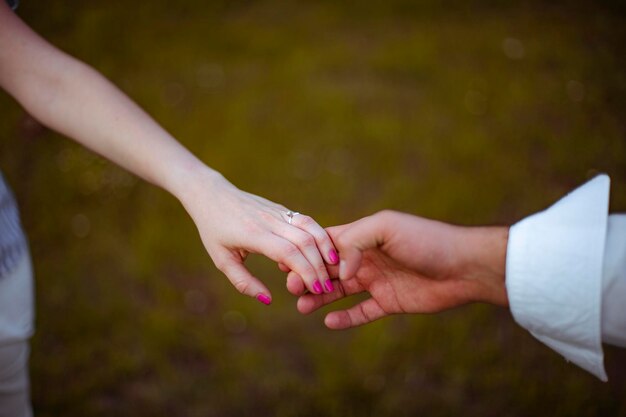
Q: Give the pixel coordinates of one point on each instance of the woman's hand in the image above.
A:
(233, 223)
(92, 111)
(410, 265)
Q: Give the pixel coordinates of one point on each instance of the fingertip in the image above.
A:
(295, 285)
(264, 299)
(345, 270)
(245, 282)
(333, 257)
(349, 263)
(305, 304)
(335, 321)
(317, 287)
(283, 267)
(342, 269)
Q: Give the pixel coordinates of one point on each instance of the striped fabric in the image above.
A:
(12, 239)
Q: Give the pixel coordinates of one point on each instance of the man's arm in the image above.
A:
(565, 272)
(409, 264)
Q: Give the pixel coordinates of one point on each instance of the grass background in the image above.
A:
(474, 112)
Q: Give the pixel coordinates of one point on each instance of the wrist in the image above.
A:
(485, 264)
(193, 181)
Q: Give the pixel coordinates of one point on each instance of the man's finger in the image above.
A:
(356, 237)
(295, 284)
(357, 315)
(310, 302)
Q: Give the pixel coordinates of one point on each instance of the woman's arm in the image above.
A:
(72, 98)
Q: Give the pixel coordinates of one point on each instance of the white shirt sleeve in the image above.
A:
(614, 283)
(559, 286)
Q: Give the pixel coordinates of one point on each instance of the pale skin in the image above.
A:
(409, 264)
(73, 99)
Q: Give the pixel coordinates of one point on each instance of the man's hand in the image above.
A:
(409, 265)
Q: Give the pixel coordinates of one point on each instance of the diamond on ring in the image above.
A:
(291, 215)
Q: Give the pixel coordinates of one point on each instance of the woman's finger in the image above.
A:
(323, 241)
(308, 246)
(284, 252)
(242, 279)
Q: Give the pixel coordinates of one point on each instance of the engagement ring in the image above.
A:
(291, 215)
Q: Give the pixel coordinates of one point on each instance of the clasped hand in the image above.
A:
(408, 264)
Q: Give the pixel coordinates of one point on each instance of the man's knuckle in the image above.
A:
(342, 241)
(365, 313)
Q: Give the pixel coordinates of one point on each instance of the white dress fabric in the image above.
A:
(16, 326)
(566, 275)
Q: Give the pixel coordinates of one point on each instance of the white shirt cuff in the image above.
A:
(554, 274)
(614, 282)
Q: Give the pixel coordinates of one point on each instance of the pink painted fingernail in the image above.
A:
(317, 287)
(264, 299)
(329, 286)
(334, 258)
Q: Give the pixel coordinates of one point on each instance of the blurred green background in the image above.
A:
(470, 112)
